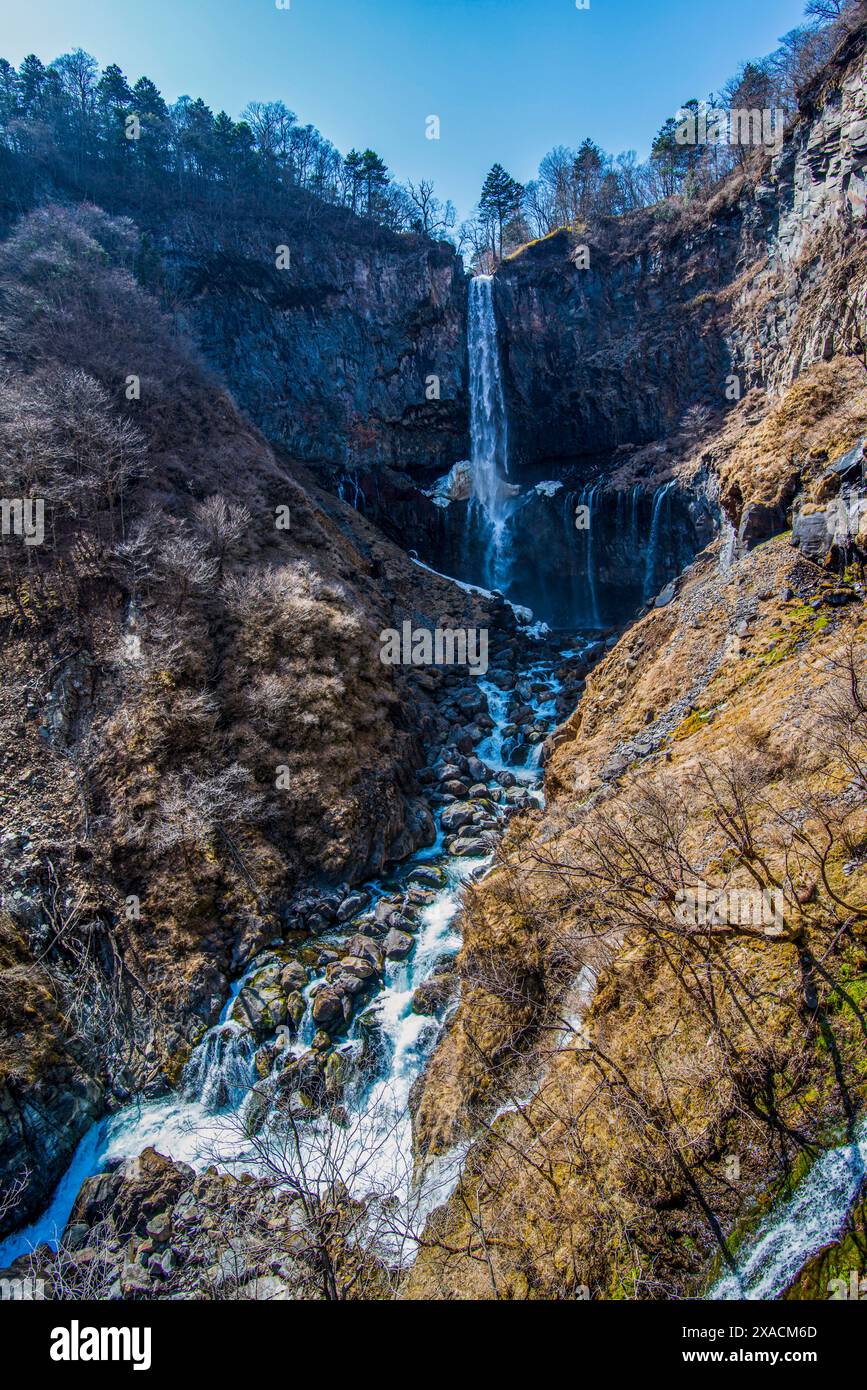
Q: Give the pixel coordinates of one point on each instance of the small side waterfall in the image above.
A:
(794, 1231)
(488, 429)
(652, 562)
(729, 547)
(591, 559)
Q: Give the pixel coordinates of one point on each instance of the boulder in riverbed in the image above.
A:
(397, 944)
(367, 949)
(433, 994)
(327, 1006)
(467, 845)
(428, 875)
(454, 816)
(351, 906)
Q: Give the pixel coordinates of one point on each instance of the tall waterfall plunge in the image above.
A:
(489, 442)
(506, 524)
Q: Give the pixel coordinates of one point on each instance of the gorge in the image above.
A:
(365, 1012)
(328, 977)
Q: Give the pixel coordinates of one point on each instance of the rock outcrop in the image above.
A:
(151, 1229)
(352, 357)
(598, 1066)
(237, 680)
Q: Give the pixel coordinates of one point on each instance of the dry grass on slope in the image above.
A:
(823, 413)
(168, 649)
(639, 1130)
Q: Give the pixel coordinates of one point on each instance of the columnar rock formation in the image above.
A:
(352, 357)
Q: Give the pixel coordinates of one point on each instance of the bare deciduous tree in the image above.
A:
(223, 524)
(185, 567)
(192, 806)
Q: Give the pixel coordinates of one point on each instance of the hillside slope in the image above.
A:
(637, 1077)
(199, 738)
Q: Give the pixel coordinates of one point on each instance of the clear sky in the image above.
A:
(508, 78)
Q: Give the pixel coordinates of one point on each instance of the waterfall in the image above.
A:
(591, 560)
(793, 1232)
(651, 564)
(589, 598)
(633, 524)
(488, 431)
(729, 546)
(347, 481)
(220, 1071)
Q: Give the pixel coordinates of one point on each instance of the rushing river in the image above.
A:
(224, 1109)
(207, 1119)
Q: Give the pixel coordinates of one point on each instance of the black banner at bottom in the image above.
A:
(145, 1338)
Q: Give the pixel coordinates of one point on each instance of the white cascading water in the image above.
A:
(489, 443)
(588, 604)
(204, 1122)
(591, 559)
(652, 563)
(812, 1217)
(220, 1071)
(633, 519)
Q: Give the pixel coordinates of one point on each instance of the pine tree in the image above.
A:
(112, 90)
(676, 161)
(587, 175)
(374, 175)
(114, 100)
(9, 94)
(152, 147)
(196, 141)
(500, 201)
(352, 167)
(31, 83)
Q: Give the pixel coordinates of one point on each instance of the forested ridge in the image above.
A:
(95, 134)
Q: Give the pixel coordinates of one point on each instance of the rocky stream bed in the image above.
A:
(312, 1064)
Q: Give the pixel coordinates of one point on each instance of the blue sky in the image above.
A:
(508, 78)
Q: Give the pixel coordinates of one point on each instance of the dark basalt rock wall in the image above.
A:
(611, 354)
(593, 578)
(334, 356)
(677, 298)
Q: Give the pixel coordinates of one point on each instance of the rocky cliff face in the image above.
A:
(711, 346)
(600, 1073)
(757, 285)
(352, 356)
(143, 669)
(578, 1060)
(201, 671)
(610, 355)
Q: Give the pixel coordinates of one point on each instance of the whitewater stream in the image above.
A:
(222, 1110)
(223, 1106)
(206, 1120)
(796, 1229)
